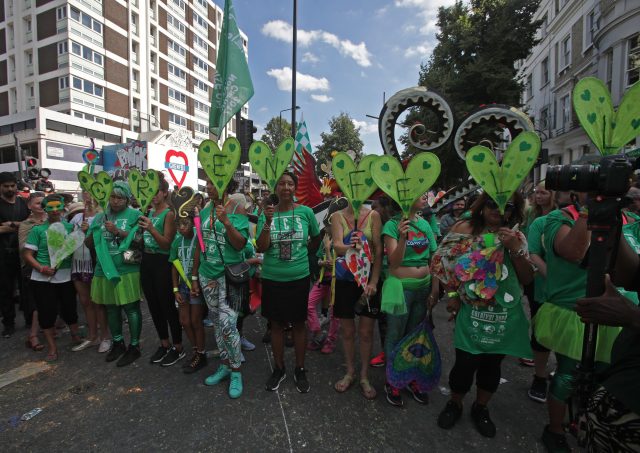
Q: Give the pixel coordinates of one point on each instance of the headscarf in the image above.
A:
(122, 189)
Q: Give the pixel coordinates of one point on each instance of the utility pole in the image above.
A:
(294, 69)
(19, 157)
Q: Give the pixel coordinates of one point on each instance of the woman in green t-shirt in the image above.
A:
(225, 230)
(155, 276)
(52, 288)
(286, 232)
(484, 263)
(116, 283)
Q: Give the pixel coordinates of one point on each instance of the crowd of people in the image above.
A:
(477, 260)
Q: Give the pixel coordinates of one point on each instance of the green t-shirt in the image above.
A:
(569, 281)
(534, 239)
(184, 249)
(290, 232)
(150, 244)
(421, 242)
(211, 263)
(38, 238)
(125, 220)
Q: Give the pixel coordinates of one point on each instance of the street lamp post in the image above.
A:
(280, 121)
(294, 69)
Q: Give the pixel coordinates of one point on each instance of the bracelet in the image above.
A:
(452, 294)
(519, 254)
(175, 290)
(194, 278)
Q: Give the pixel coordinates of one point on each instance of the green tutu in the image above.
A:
(562, 331)
(126, 291)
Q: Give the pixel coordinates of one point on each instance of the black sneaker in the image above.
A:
(449, 415)
(172, 357)
(8, 331)
(480, 416)
(554, 442)
(278, 375)
(300, 378)
(538, 390)
(158, 355)
(132, 354)
(420, 397)
(187, 363)
(393, 395)
(117, 349)
(198, 362)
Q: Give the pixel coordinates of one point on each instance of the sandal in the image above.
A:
(35, 347)
(345, 383)
(51, 357)
(367, 389)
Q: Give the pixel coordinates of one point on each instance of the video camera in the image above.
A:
(611, 177)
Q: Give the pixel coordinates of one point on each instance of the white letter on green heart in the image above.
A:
(405, 187)
(357, 184)
(500, 182)
(268, 165)
(219, 165)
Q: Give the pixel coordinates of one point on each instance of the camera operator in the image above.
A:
(613, 412)
(557, 326)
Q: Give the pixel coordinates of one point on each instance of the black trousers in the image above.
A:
(53, 299)
(155, 278)
(486, 367)
(9, 281)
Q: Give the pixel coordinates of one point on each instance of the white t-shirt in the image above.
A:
(81, 263)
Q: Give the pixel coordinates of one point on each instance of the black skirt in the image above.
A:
(285, 301)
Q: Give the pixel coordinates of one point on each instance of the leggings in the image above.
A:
(155, 278)
(53, 299)
(224, 319)
(134, 316)
(486, 367)
(317, 295)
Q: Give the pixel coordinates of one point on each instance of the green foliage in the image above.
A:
(276, 131)
(343, 136)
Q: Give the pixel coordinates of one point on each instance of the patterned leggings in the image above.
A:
(224, 319)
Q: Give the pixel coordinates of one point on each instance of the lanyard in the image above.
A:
(188, 253)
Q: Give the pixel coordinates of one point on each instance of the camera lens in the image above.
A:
(578, 178)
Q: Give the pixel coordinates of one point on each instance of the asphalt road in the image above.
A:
(90, 405)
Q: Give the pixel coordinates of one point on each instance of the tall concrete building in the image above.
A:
(579, 38)
(112, 70)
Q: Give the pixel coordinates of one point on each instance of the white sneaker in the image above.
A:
(105, 346)
(84, 345)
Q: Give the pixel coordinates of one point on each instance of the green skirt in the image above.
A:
(562, 331)
(126, 291)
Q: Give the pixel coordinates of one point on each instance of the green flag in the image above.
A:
(232, 86)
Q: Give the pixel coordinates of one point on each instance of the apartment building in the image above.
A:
(111, 70)
(578, 38)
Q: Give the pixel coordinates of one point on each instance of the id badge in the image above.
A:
(285, 246)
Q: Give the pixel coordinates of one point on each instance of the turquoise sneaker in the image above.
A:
(235, 386)
(220, 375)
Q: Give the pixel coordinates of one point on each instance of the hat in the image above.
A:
(240, 199)
(73, 209)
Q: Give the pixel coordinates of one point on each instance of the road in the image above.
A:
(90, 405)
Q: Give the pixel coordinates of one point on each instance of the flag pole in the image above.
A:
(294, 68)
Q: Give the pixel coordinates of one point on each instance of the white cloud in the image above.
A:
(321, 98)
(304, 82)
(426, 12)
(382, 11)
(263, 109)
(283, 31)
(309, 57)
(421, 50)
(365, 128)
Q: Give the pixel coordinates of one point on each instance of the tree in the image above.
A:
(474, 62)
(343, 136)
(275, 131)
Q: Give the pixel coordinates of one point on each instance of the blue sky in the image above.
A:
(349, 53)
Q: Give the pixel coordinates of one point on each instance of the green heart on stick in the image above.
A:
(607, 129)
(100, 186)
(144, 186)
(356, 183)
(500, 182)
(406, 186)
(268, 165)
(220, 164)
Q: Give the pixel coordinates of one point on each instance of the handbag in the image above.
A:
(133, 255)
(237, 274)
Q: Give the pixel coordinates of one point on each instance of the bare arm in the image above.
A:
(539, 263)
(263, 242)
(572, 243)
(625, 270)
(165, 238)
(378, 249)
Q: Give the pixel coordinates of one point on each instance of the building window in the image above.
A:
(176, 47)
(200, 63)
(88, 87)
(176, 71)
(63, 47)
(86, 53)
(565, 109)
(201, 128)
(63, 83)
(178, 3)
(543, 26)
(201, 106)
(544, 118)
(61, 12)
(591, 27)
(544, 71)
(565, 52)
(198, 19)
(203, 3)
(200, 84)
(560, 4)
(175, 94)
(175, 23)
(198, 41)
(177, 119)
(633, 60)
(529, 87)
(86, 20)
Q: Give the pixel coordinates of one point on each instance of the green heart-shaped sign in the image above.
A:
(268, 165)
(500, 182)
(99, 187)
(356, 183)
(144, 186)
(608, 130)
(406, 186)
(219, 164)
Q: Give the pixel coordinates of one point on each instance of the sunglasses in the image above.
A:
(493, 205)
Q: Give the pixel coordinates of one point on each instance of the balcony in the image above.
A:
(76, 29)
(177, 105)
(153, 93)
(135, 86)
(175, 56)
(134, 29)
(152, 65)
(31, 103)
(87, 100)
(80, 64)
(28, 37)
(28, 70)
(95, 5)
